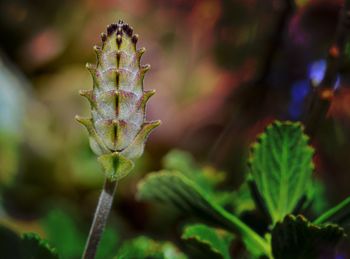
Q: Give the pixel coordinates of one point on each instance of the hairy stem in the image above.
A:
(100, 218)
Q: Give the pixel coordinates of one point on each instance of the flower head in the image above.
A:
(118, 128)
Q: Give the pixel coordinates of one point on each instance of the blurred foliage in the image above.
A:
(32, 246)
(63, 233)
(29, 245)
(11, 116)
(143, 247)
(210, 180)
(206, 177)
(213, 243)
(316, 194)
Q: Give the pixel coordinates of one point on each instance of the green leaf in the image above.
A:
(33, 247)
(296, 238)
(316, 197)
(63, 233)
(337, 214)
(205, 177)
(214, 243)
(242, 199)
(9, 244)
(108, 245)
(181, 161)
(29, 246)
(143, 247)
(281, 166)
(175, 189)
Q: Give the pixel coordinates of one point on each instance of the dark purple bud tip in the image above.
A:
(127, 29)
(135, 38)
(111, 28)
(103, 37)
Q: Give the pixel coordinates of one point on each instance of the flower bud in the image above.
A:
(118, 128)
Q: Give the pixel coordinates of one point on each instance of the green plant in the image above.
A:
(64, 240)
(117, 127)
(144, 247)
(278, 186)
(280, 171)
(28, 245)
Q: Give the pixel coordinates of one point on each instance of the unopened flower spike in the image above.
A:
(118, 128)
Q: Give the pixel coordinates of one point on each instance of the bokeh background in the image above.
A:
(222, 70)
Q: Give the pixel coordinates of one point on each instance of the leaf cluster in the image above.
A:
(279, 183)
(65, 240)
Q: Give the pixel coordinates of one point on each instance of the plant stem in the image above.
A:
(247, 233)
(321, 97)
(334, 214)
(100, 218)
(232, 222)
